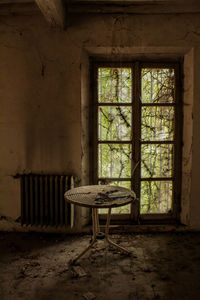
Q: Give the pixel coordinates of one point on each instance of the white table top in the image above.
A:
(100, 196)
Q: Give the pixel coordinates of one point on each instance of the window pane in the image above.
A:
(126, 209)
(125, 184)
(114, 160)
(157, 85)
(114, 85)
(157, 123)
(156, 197)
(156, 160)
(114, 123)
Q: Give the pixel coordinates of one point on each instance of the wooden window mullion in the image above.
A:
(136, 135)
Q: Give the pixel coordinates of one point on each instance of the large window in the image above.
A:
(137, 134)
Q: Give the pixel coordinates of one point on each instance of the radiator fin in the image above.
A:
(42, 200)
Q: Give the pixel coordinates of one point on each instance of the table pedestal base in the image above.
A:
(97, 234)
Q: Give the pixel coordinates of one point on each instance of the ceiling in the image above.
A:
(55, 10)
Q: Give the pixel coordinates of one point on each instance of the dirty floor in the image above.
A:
(163, 266)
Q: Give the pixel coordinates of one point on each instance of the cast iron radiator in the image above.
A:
(42, 200)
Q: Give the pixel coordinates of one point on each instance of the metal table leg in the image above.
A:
(107, 235)
(96, 220)
(95, 228)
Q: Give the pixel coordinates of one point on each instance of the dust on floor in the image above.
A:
(162, 266)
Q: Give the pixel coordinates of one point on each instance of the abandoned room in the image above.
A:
(100, 149)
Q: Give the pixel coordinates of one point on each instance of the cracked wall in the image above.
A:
(42, 86)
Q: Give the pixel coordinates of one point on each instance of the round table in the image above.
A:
(100, 196)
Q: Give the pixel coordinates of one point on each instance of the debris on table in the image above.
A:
(81, 193)
(89, 296)
(110, 196)
(99, 195)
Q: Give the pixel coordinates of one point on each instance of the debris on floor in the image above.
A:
(89, 296)
(36, 266)
(78, 271)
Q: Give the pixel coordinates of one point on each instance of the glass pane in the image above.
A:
(114, 160)
(114, 123)
(126, 209)
(156, 160)
(156, 197)
(125, 184)
(157, 123)
(157, 85)
(114, 85)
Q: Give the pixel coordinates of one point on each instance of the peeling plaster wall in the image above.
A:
(40, 111)
(195, 186)
(41, 89)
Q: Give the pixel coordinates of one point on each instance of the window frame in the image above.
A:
(136, 67)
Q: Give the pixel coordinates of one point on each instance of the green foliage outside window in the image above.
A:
(115, 134)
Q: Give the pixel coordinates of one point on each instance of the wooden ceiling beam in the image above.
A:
(134, 6)
(54, 12)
